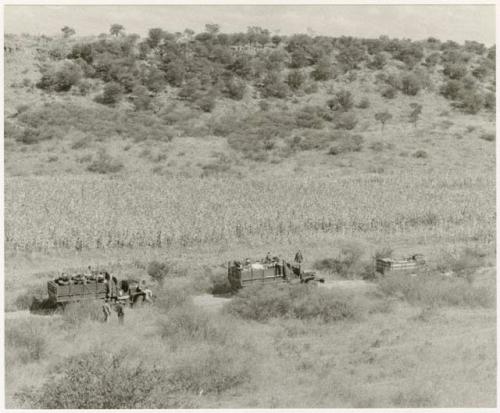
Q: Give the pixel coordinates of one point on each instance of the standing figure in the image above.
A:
(298, 257)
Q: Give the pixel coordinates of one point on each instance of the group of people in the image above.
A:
(117, 297)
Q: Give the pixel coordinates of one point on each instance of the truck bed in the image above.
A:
(76, 292)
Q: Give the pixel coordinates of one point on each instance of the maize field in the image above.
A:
(43, 213)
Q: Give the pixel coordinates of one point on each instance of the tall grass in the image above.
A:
(436, 290)
(81, 212)
(26, 341)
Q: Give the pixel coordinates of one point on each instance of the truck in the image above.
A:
(240, 275)
(82, 289)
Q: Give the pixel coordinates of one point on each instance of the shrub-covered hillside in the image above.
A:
(257, 96)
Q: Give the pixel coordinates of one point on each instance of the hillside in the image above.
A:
(213, 103)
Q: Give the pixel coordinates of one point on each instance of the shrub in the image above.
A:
(295, 79)
(60, 78)
(490, 137)
(84, 86)
(346, 121)
(471, 102)
(363, 104)
(343, 100)
(235, 89)
(346, 264)
(206, 103)
(420, 154)
(263, 302)
(26, 339)
(389, 92)
(105, 164)
(273, 86)
(435, 290)
(158, 271)
(25, 300)
(322, 70)
(96, 380)
(212, 369)
(455, 71)
(349, 143)
(410, 84)
(451, 89)
(187, 323)
(112, 94)
(462, 264)
(309, 118)
(490, 101)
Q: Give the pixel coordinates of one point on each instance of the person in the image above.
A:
(106, 309)
(298, 257)
(268, 258)
(148, 293)
(120, 312)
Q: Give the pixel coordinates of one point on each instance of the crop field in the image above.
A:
(75, 213)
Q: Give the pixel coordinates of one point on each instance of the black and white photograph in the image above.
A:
(249, 206)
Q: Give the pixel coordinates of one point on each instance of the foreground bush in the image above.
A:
(97, 380)
(436, 290)
(263, 302)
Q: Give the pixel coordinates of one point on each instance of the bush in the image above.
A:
(346, 264)
(363, 104)
(471, 102)
(346, 121)
(455, 71)
(309, 117)
(463, 263)
(158, 271)
(410, 84)
(295, 79)
(451, 89)
(187, 323)
(348, 143)
(60, 78)
(490, 137)
(105, 164)
(263, 302)
(343, 100)
(112, 94)
(26, 339)
(389, 92)
(213, 369)
(420, 154)
(25, 300)
(435, 290)
(96, 380)
(206, 103)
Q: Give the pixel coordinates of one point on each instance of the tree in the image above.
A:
(112, 93)
(343, 101)
(383, 117)
(415, 113)
(322, 70)
(158, 271)
(116, 29)
(61, 78)
(273, 86)
(155, 37)
(295, 79)
(68, 31)
(410, 84)
(212, 29)
(455, 71)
